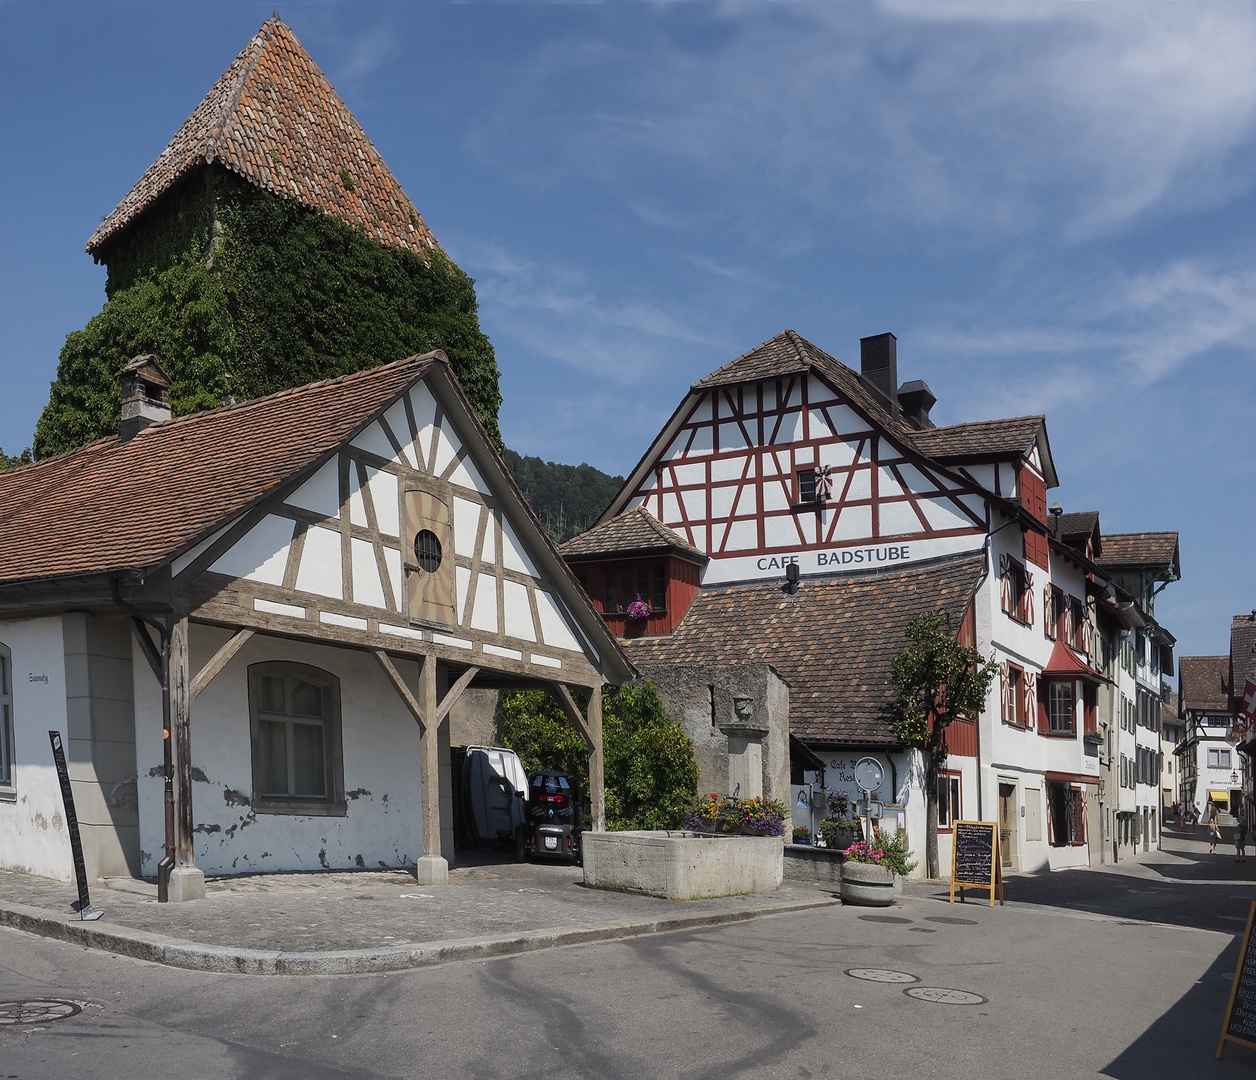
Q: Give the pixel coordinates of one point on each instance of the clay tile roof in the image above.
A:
(115, 505)
(1204, 682)
(1077, 528)
(1140, 549)
(832, 643)
(790, 353)
(274, 119)
(983, 438)
(635, 532)
(1243, 651)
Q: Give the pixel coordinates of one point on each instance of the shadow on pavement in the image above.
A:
(1183, 1041)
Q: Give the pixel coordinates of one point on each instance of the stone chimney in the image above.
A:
(915, 399)
(878, 368)
(145, 396)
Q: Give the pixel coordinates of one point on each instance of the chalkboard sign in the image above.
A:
(975, 860)
(1240, 1013)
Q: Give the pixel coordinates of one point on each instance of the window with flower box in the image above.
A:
(643, 581)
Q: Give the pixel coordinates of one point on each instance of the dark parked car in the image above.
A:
(554, 821)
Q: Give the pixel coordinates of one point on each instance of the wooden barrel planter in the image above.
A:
(867, 885)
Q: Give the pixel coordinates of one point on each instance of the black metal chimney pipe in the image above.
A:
(878, 368)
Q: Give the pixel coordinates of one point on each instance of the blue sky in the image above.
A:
(1052, 206)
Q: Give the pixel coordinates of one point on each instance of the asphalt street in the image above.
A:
(1046, 987)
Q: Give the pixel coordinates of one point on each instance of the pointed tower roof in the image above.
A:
(274, 119)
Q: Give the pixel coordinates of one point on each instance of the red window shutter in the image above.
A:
(1090, 696)
(1044, 718)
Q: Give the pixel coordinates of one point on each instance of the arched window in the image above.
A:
(298, 766)
(8, 779)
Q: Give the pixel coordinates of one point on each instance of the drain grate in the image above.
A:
(921, 930)
(881, 975)
(940, 995)
(951, 920)
(37, 1011)
(884, 919)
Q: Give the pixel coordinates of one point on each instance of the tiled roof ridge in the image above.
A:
(233, 101)
(1149, 532)
(787, 334)
(1193, 659)
(237, 406)
(978, 423)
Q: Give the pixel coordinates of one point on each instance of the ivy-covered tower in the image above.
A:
(268, 246)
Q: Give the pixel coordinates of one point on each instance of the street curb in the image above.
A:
(159, 949)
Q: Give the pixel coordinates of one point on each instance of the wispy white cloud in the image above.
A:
(1070, 118)
(367, 52)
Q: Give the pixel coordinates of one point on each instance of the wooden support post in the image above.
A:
(217, 662)
(432, 869)
(454, 693)
(399, 684)
(186, 881)
(597, 775)
(590, 729)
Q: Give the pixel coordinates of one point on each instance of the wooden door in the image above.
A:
(1007, 821)
(429, 556)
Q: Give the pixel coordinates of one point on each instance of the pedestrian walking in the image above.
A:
(1214, 834)
(1240, 840)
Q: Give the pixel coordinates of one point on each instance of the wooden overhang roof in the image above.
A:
(635, 532)
(832, 642)
(274, 119)
(1155, 551)
(117, 509)
(1203, 683)
(789, 353)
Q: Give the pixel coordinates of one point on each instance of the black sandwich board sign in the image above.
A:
(84, 905)
(975, 861)
(1240, 1013)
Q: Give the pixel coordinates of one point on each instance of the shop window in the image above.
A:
(8, 778)
(294, 714)
(1067, 807)
(950, 804)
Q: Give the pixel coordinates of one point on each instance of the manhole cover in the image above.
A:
(921, 930)
(39, 1011)
(881, 975)
(884, 918)
(951, 920)
(941, 996)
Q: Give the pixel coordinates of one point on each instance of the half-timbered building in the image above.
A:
(830, 510)
(250, 626)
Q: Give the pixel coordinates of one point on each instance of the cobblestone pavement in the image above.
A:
(376, 909)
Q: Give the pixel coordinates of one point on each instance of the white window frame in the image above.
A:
(333, 803)
(1217, 752)
(1054, 689)
(954, 805)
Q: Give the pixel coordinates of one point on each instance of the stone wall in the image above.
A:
(738, 718)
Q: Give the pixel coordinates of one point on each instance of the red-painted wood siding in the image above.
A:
(682, 587)
(1033, 489)
(961, 736)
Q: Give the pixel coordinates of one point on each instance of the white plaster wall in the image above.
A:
(33, 834)
(383, 824)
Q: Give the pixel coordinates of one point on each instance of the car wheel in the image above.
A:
(521, 849)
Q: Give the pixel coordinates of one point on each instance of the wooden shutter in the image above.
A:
(429, 592)
(1042, 695)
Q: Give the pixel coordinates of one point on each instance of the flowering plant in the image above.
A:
(802, 834)
(723, 813)
(884, 850)
(638, 609)
(839, 802)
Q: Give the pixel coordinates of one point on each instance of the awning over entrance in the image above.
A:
(1219, 796)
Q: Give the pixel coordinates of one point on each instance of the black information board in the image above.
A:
(975, 861)
(84, 905)
(1240, 1013)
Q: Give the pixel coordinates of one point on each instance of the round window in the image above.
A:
(427, 551)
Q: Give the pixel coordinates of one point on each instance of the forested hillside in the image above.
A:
(567, 498)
